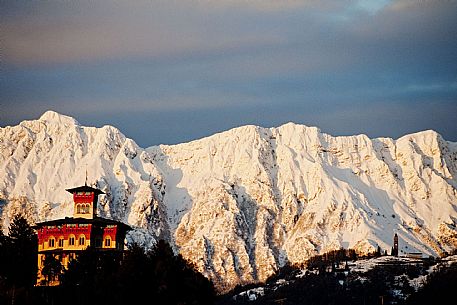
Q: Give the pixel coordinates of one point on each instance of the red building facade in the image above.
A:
(65, 238)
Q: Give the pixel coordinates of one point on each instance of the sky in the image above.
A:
(167, 72)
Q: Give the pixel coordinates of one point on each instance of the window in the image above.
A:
(83, 208)
(107, 242)
(51, 242)
(61, 242)
(71, 241)
(82, 240)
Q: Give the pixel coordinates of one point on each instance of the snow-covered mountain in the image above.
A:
(241, 203)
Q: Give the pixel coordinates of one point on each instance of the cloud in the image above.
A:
(313, 36)
(62, 32)
(105, 30)
(245, 61)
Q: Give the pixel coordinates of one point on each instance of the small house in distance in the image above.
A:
(414, 254)
(65, 238)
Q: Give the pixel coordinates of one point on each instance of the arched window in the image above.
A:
(71, 240)
(107, 241)
(78, 209)
(82, 240)
(87, 208)
(61, 239)
(51, 242)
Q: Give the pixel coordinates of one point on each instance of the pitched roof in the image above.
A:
(85, 188)
(78, 220)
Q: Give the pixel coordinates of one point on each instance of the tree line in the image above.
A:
(158, 276)
(326, 279)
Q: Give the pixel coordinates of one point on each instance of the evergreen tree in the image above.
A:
(135, 278)
(162, 276)
(18, 262)
(23, 247)
(438, 289)
(93, 275)
(378, 252)
(176, 281)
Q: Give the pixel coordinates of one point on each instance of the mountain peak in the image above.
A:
(242, 203)
(295, 127)
(55, 117)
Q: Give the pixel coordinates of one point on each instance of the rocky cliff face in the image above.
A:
(241, 203)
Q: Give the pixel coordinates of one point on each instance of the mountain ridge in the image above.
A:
(241, 203)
